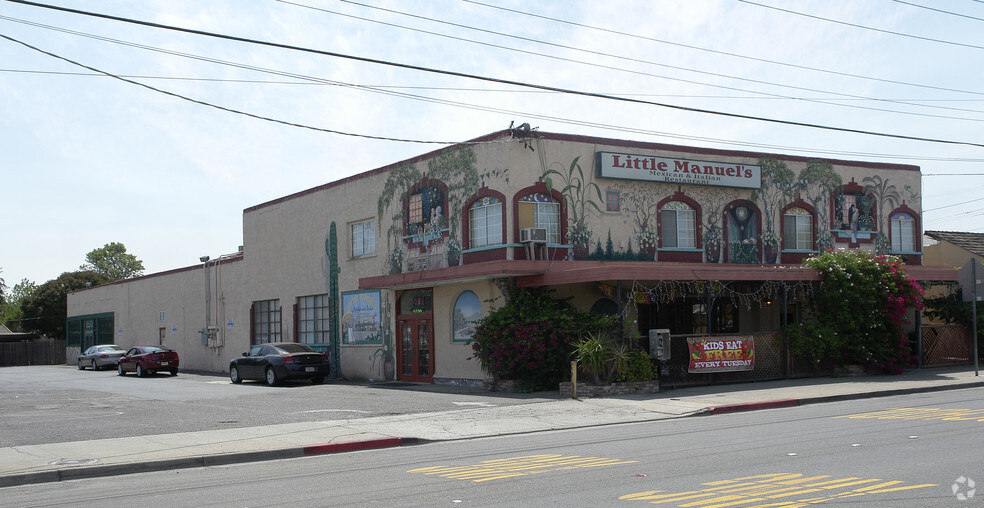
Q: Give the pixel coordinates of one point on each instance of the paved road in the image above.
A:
(848, 453)
(51, 412)
(51, 404)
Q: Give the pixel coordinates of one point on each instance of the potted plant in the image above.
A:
(744, 251)
(579, 235)
(770, 244)
(712, 244)
(648, 240)
(454, 252)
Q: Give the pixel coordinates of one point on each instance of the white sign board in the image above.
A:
(625, 166)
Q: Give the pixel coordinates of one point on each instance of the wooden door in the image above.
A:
(416, 350)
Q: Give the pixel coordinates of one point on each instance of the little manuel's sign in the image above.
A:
(721, 354)
(661, 169)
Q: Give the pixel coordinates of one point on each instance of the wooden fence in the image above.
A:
(941, 345)
(32, 352)
(946, 345)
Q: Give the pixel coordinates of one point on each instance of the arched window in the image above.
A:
(678, 225)
(485, 222)
(797, 229)
(903, 232)
(539, 210)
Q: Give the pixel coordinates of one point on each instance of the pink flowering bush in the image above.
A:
(530, 339)
(861, 308)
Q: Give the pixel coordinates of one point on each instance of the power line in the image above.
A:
(421, 87)
(939, 10)
(223, 108)
(725, 53)
(494, 80)
(972, 213)
(826, 101)
(955, 204)
(384, 91)
(863, 27)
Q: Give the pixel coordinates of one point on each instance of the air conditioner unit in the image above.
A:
(533, 235)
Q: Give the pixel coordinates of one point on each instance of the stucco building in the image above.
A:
(387, 269)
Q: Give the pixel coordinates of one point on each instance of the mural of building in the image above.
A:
(385, 270)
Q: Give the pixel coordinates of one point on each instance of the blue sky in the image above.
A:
(89, 159)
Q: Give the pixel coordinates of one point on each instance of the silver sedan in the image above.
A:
(101, 356)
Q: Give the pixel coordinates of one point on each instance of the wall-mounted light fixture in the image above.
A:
(204, 259)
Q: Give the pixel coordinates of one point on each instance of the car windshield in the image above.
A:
(151, 349)
(110, 349)
(294, 348)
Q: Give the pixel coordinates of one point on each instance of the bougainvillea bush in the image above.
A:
(530, 339)
(860, 310)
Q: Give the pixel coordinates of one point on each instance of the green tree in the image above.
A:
(113, 261)
(10, 308)
(45, 310)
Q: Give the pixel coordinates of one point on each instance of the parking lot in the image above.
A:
(48, 404)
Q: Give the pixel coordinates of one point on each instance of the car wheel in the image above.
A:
(174, 372)
(271, 376)
(119, 369)
(94, 366)
(81, 367)
(140, 371)
(317, 380)
(234, 375)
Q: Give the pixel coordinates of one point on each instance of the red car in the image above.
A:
(147, 360)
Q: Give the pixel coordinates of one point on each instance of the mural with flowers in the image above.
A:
(433, 202)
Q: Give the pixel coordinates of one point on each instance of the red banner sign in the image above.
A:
(721, 354)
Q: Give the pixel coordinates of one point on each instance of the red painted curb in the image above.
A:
(752, 406)
(349, 446)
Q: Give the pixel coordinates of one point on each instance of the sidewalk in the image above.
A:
(63, 461)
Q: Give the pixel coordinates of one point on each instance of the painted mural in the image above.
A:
(467, 311)
(733, 226)
(425, 209)
(361, 318)
(579, 194)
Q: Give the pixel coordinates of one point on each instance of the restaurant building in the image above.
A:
(386, 270)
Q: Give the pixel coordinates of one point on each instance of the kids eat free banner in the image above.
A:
(721, 354)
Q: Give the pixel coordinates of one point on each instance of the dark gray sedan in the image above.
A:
(279, 361)
(100, 356)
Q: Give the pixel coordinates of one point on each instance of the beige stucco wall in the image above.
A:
(452, 359)
(947, 254)
(284, 252)
(180, 295)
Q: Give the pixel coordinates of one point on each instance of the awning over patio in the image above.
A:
(555, 273)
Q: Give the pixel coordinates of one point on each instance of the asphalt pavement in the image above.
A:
(21, 465)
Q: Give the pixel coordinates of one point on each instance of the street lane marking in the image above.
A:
(334, 411)
(912, 413)
(517, 466)
(769, 490)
